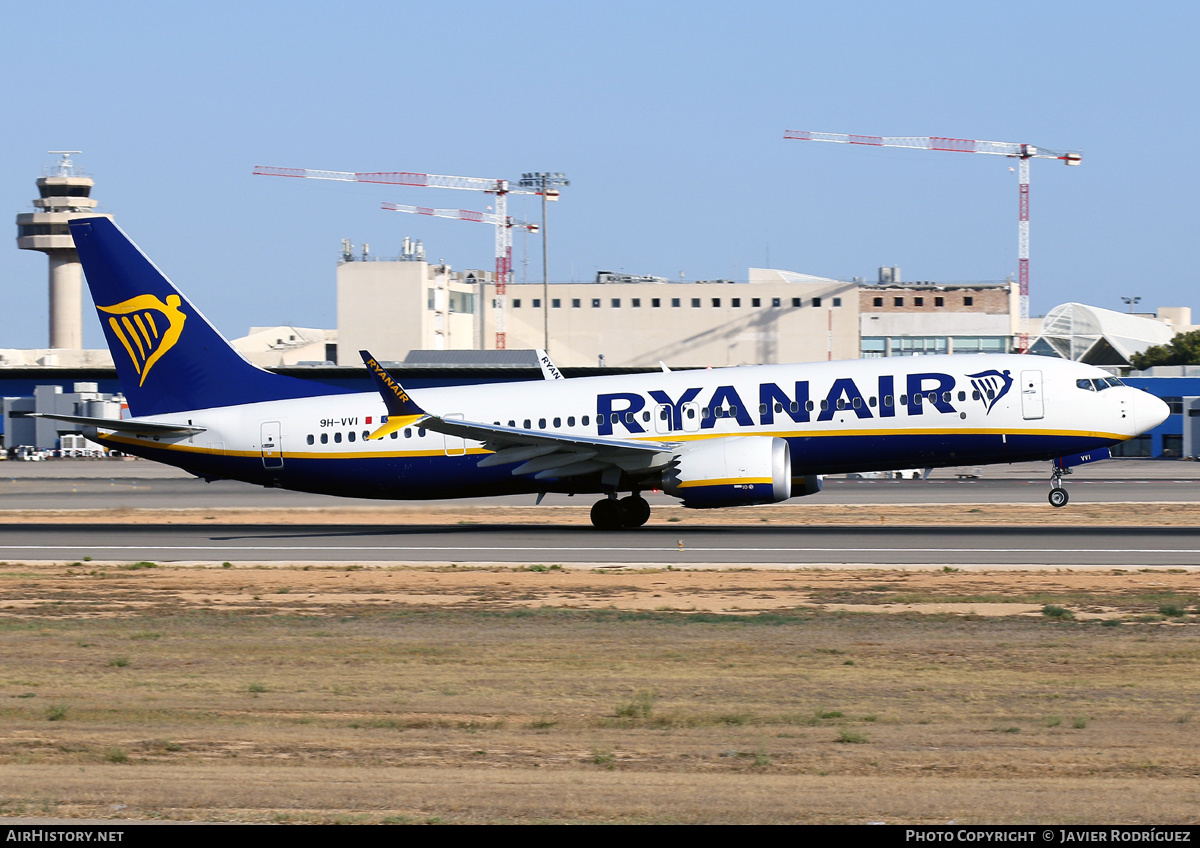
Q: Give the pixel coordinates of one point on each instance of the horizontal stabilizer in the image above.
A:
(119, 425)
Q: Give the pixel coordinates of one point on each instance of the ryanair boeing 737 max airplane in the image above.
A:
(712, 438)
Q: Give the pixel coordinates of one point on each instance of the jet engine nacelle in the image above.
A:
(731, 471)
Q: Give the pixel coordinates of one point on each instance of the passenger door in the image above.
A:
(1032, 404)
(272, 447)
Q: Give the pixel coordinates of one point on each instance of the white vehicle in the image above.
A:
(712, 438)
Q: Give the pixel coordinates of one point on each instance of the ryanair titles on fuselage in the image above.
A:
(929, 390)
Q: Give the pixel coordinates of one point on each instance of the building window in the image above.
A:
(756, 301)
(775, 301)
(695, 303)
(675, 302)
(575, 303)
(516, 303)
(796, 302)
(816, 301)
(595, 303)
(716, 303)
(555, 302)
(897, 301)
(968, 301)
(735, 302)
(939, 301)
(537, 303)
(616, 303)
(655, 302)
(837, 301)
(918, 301)
(635, 302)
(877, 302)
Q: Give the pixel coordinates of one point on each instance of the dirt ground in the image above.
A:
(413, 694)
(1026, 515)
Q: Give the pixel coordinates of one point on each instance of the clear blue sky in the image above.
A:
(667, 117)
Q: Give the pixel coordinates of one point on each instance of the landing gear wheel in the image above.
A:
(606, 514)
(1059, 497)
(634, 511)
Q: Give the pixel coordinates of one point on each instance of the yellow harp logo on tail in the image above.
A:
(146, 327)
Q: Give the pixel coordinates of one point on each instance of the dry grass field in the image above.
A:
(437, 694)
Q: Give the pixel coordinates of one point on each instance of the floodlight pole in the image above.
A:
(546, 185)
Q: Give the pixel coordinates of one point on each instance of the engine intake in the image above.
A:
(731, 471)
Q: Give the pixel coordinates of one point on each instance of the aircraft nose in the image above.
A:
(1148, 412)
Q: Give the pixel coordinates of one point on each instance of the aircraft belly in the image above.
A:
(864, 452)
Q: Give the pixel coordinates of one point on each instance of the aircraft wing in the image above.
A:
(120, 425)
(537, 453)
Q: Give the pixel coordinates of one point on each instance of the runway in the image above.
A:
(182, 492)
(677, 546)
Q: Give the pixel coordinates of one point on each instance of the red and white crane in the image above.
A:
(1021, 152)
(499, 218)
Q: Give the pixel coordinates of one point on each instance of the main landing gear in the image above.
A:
(613, 514)
(1058, 495)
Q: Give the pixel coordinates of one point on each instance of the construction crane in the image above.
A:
(499, 218)
(1021, 152)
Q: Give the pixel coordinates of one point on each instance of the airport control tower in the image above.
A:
(65, 194)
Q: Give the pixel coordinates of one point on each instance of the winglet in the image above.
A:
(402, 409)
(549, 371)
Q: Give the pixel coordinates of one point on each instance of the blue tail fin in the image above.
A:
(169, 358)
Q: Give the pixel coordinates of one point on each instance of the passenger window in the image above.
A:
(904, 400)
(527, 423)
(646, 416)
(395, 434)
(857, 403)
(691, 413)
(350, 435)
(917, 399)
(628, 417)
(824, 405)
(662, 414)
(366, 434)
(733, 412)
(793, 407)
(962, 396)
(585, 420)
(408, 433)
(779, 407)
(613, 418)
(975, 395)
(871, 402)
(310, 439)
(541, 423)
(324, 438)
(887, 400)
(337, 437)
(762, 409)
(808, 406)
(945, 397)
(841, 403)
(512, 424)
(570, 420)
(421, 432)
(705, 413)
(557, 422)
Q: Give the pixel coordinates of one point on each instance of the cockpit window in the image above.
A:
(1086, 385)
(1113, 381)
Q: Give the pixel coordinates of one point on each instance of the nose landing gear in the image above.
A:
(626, 513)
(1058, 496)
